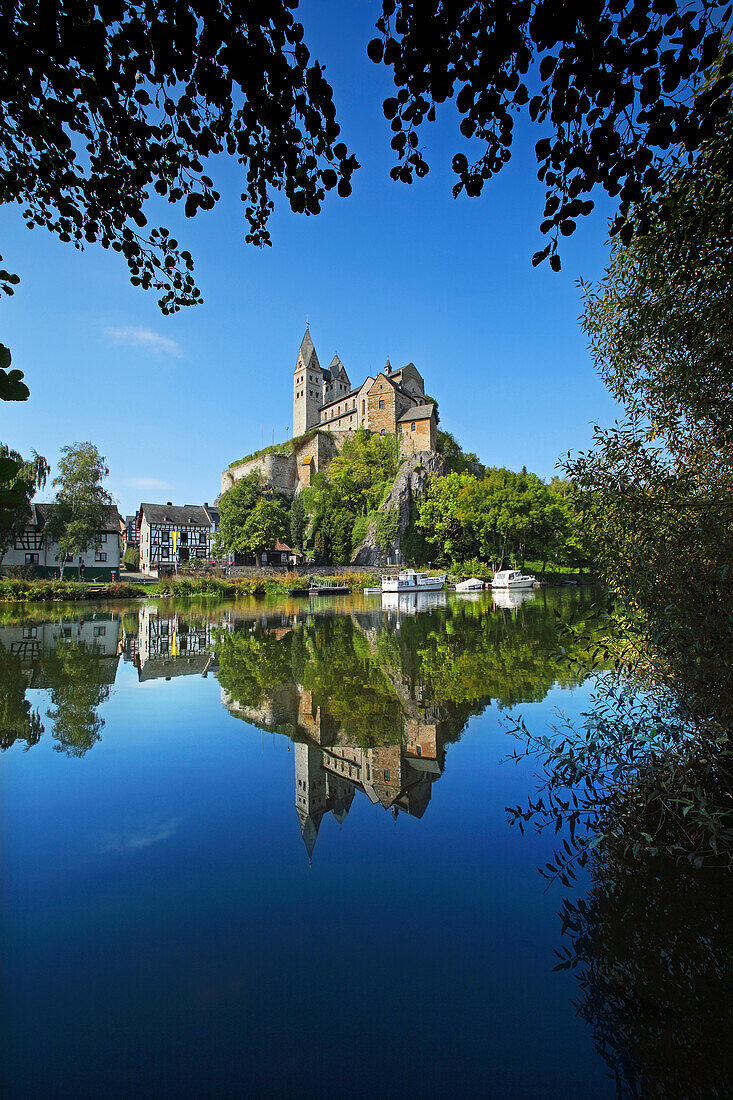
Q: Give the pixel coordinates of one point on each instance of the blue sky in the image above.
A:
(404, 272)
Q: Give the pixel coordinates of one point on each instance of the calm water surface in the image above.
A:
(263, 850)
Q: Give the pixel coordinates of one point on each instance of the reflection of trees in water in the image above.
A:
(364, 670)
(77, 679)
(18, 722)
(473, 654)
(653, 949)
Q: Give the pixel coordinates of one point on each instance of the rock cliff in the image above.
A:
(410, 485)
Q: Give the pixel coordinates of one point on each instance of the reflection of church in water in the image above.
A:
(333, 755)
(399, 777)
(330, 768)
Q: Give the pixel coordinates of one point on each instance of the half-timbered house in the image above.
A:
(35, 552)
(171, 534)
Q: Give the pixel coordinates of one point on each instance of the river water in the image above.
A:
(262, 849)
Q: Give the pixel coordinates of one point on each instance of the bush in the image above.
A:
(131, 558)
(474, 568)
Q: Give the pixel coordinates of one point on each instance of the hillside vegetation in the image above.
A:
(471, 514)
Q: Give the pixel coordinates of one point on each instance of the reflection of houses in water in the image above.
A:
(31, 642)
(172, 645)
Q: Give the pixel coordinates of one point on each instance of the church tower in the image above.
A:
(311, 797)
(307, 387)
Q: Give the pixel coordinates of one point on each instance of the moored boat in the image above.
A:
(473, 584)
(512, 579)
(410, 581)
(372, 591)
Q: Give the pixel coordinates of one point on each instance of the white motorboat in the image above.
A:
(509, 599)
(473, 584)
(414, 601)
(512, 579)
(410, 581)
(372, 591)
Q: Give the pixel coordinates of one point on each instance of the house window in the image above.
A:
(103, 537)
(100, 555)
(381, 403)
(202, 539)
(31, 559)
(30, 631)
(100, 631)
(414, 426)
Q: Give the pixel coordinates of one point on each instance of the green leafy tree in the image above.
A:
(234, 511)
(653, 757)
(493, 517)
(19, 482)
(268, 521)
(81, 503)
(297, 522)
(131, 558)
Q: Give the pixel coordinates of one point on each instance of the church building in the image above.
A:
(393, 401)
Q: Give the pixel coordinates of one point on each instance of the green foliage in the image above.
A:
(457, 460)
(268, 522)
(19, 482)
(81, 503)
(251, 518)
(131, 558)
(356, 482)
(654, 758)
(17, 589)
(359, 474)
(297, 523)
(499, 515)
(387, 527)
(361, 527)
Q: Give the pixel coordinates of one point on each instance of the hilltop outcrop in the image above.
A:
(410, 485)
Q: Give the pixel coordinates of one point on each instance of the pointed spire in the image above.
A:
(306, 345)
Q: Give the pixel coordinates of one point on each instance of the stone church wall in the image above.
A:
(289, 473)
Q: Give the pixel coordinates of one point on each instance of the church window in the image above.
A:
(382, 431)
(386, 775)
(363, 408)
(399, 428)
(381, 404)
(414, 425)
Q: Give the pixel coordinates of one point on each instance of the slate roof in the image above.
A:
(419, 412)
(41, 513)
(185, 514)
(341, 397)
(306, 347)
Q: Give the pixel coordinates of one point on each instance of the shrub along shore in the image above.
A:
(259, 585)
(263, 584)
